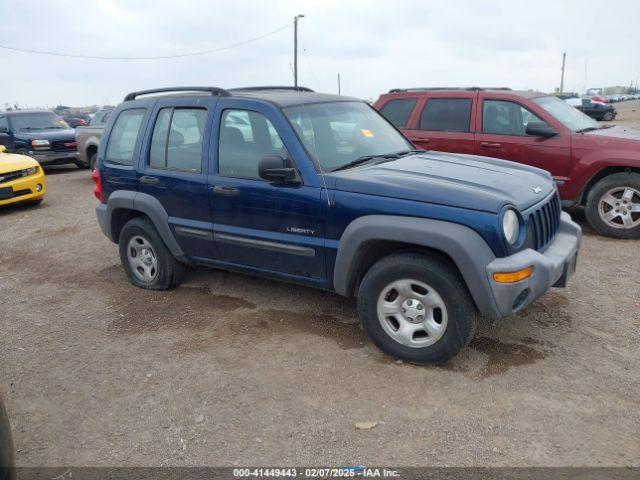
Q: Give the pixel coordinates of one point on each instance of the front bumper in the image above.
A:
(53, 158)
(551, 268)
(22, 189)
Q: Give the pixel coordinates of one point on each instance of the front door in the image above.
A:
(502, 134)
(273, 227)
(6, 138)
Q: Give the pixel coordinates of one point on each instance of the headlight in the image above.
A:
(31, 171)
(39, 143)
(510, 226)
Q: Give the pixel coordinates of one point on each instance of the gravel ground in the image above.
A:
(232, 370)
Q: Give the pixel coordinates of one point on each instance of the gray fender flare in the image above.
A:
(464, 246)
(152, 208)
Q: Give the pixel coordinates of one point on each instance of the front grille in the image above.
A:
(64, 145)
(543, 223)
(9, 176)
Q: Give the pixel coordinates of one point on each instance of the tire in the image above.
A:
(610, 194)
(92, 161)
(608, 116)
(22, 151)
(82, 165)
(155, 267)
(453, 320)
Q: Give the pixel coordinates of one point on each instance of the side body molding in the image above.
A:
(464, 246)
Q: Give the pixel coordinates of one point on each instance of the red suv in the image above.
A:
(594, 165)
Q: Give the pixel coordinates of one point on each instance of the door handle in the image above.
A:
(226, 191)
(490, 145)
(147, 180)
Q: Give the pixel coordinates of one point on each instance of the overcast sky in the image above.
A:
(374, 45)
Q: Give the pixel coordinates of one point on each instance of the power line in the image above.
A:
(159, 57)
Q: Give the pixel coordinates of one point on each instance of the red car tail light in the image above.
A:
(97, 191)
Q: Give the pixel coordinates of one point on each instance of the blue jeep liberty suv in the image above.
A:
(321, 190)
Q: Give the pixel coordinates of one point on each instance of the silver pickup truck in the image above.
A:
(88, 137)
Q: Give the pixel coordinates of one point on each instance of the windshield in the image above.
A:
(338, 133)
(38, 121)
(569, 116)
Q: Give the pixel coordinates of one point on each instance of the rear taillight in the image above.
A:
(97, 191)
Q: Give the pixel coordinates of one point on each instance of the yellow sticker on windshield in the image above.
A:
(367, 133)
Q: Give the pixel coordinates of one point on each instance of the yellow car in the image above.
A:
(21, 179)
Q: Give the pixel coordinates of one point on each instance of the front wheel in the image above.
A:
(145, 258)
(608, 116)
(417, 308)
(613, 206)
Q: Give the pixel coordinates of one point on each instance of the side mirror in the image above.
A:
(275, 168)
(4, 130)
(540, 129)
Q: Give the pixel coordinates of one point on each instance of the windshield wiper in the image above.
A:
(587, 129)
(402, 153)
(364, 159)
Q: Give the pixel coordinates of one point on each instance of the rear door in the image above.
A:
(502, 125)
(173, 169)
(445, 122)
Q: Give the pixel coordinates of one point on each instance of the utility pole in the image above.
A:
(338, 84)
(564, 56)
(295, 49)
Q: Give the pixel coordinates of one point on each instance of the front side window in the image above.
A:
(246, 137)
(124, 134)
(338, 133)
(397, 111)
(446, 115)
(3, 123)
(176, 143)
(501, 117)
(570, 117)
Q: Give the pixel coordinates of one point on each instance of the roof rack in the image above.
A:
(429, 89)
(275, 87)
(213, 90)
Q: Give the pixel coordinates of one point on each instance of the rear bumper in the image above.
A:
(551, 268)
(103, 220)
(52, 158)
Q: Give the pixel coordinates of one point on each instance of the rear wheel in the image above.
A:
(417, 308)
(145, 258)
(613, 206)
(92, 161)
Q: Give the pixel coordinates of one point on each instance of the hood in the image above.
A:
(66, 134)
(10, 162)
(465, 181)
(615, 138)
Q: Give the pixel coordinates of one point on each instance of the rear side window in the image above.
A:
(446, 115)
(397, 111)
(124, 134)
(176, 143)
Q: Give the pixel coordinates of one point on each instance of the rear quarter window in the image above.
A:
(124, 135)
(397, 111)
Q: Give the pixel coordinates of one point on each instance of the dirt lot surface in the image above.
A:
(231, 370)
(628, 114)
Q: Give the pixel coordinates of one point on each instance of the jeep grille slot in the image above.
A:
(544, 222)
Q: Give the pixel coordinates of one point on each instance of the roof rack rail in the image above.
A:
(213, 90)
(273, 87)
(429, 89)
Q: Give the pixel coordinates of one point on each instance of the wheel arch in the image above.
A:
(599, 175)
(125, 205)
(370, 238)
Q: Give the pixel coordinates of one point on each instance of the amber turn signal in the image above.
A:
(512, 277)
